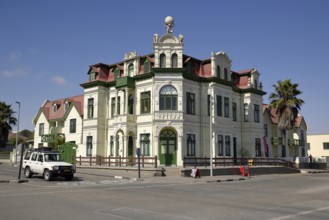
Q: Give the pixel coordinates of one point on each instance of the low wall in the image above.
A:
(236, 171)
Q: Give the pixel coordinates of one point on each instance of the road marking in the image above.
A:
(300, 213)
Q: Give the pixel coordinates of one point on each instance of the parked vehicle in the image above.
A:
(44, 161)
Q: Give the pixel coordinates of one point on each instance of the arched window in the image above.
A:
(116, 73)
(162, 60)
(131, 105)
(218, 71)
(131, 70)
(225, 74)
(168, 98)
(174, 60)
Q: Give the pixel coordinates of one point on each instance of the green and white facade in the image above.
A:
(171, 105)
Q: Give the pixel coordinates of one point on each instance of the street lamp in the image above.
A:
(19, 109)
(210, 131)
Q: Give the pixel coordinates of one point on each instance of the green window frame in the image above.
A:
(41, 129)
(118, 106)
(131, 104)
(116, 73)
(112, 107)
(89, 145)
(111, 146)
(146, 66)
(174, 61)
(234, 111)
(190, 103)
(256, 114)
(220, 143)
(145, 144)
(90, 111)
(227, 145)
(168, 98)
(190, 144)
(219, 102)
(73, 125)
(258, 149)
(145, 102)
(131, 70)
(218, 71)
(245, 112)
(226, 107)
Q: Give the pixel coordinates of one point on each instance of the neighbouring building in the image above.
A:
(166, 103)
(274, 146)
(318, 145)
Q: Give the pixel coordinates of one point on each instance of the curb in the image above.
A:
(227, 180)
(14, 181)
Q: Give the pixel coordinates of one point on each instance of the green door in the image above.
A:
(68, 152)
(168, 148)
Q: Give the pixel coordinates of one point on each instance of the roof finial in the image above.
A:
(169, 23)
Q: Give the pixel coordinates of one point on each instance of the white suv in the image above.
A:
(48, 164)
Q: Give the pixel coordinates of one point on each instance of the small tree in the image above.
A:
(6, 121)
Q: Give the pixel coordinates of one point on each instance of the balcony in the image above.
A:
(51, 138)
(296, 142)
(277, 141)
(125, 82)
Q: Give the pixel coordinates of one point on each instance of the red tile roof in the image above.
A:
(47, 107)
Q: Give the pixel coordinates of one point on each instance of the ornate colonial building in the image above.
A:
(166, 103)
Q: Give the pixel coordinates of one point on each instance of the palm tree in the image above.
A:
(287, 105)
(6, 121)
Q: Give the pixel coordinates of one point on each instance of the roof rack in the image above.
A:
(42, 149)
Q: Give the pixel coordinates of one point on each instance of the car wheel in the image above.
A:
(47, 175)
(27, 172)
(69, 178)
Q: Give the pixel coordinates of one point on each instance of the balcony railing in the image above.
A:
(125, 82)
(276, 140)
(296, 142)
(51, 137)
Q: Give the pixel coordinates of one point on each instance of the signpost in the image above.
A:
(138, 152)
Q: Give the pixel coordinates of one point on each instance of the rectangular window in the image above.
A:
(219, 105)
(220, 142)
(73, 125)
(325, 146)
(234, 111)
(90, 108)
(226, 107)
(190, 144)
(89, 145)
(265, 130)
(246, 112)
(92, 76)
(208, 105)
(118, 106)
(227, 146)
(41, 129)
(145, 144)
(145, 102)
(112, 107)
(190, 103)
(256, 113)
(111, 146)
(258, 147)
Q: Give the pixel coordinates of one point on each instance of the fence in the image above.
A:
(116, 161)
(229, 161)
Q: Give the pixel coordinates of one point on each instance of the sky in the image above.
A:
(46, 47)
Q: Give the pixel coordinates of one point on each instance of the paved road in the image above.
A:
(98, 197)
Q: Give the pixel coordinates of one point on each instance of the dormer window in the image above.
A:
(146, 66)
(55, 107)
(116, 73)
(131, 70)
(92, 76)
(66, 105)
(174, 60)
(256, 84)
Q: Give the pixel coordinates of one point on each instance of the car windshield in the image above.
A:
(53, 157)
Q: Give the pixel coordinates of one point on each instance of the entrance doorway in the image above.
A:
(168, 148)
